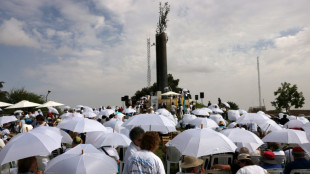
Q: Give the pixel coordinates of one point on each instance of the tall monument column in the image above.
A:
(161, 61)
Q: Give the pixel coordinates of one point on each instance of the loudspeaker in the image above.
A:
(122, 99)
(126, 98)
(202, 95)
(196, 97)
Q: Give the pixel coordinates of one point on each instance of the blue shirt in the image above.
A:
(299, 163)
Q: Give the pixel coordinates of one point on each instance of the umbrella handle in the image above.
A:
(27, 129)
(82, 151)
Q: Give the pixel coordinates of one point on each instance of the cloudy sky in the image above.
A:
(93, 52)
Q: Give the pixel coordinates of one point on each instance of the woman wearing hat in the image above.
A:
(192, 165)
(247, 166)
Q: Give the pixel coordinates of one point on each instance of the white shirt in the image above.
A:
(281, 152)
(132, 149)
(252, 169)
(144, 161)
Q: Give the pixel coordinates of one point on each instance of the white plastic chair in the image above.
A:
(300, 171)
(217, 172)
(275, 171)
(206, 161)
(173, 156)
(222, 159)
(256, 159)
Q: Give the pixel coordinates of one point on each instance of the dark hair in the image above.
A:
(135, 132)
(274, 145)
(150, 140)
(39, 118)
(25, 164)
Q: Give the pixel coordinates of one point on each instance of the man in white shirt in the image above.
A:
(145, 161)
(135, 135)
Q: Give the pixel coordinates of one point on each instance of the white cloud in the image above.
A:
(12, 33)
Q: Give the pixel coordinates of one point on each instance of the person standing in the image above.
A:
(145, 161)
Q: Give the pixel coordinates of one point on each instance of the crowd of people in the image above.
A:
(140, 156)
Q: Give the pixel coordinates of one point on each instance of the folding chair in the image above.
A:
(221, 159)
(206, 161)
(173, 156)
(275, 171)
(300, 171)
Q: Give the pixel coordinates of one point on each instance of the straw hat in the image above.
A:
(244, 156)
(190, 161)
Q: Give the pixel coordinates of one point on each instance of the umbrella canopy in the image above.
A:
(7, 119)
(241, 111)
(112, 139)
(90, 114)
(18, 111)
(70, 115)
(52, 110)
(293, 124)
(202, 112)
(84, 158)
(80, 125)
(23, 104)
(201, 142)
(170, 93)
(233, 115)
(269, 125)
(151, 122)
(107, 112)
(207, 109)
(54, 131)
(115, 124)
(242, 136)
(187, 118)
(252, 118)
(217, 118)
(33, 143)
(306, 127)
(205, 122)
(163, 111)
(3, 104)
(288, 136)
(50, 104)
(129, 110)
(226, 104)
(91, 137)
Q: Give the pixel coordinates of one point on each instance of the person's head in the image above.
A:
(244, 159)
(40, 119)
(27, 165)
(274, 145)
(136, 135)
(284, 116)
(244, 150)
(191, 164)
(269, 157)
(150, 141)
(298, 152)
(76, 141)
(221, 123)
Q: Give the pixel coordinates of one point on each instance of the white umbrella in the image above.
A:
(89, 114)
(80, 125)
(293, 124)
(4, 104)
(288, 136)
(112, 139)
(217, 118)
(107, 112)
(202, 112)
(7, 119)
(170, 93)
(151, 122)
(54, 132)
(114, 124)
(163, 111)
(83, 158)
(18, 111)
(207, 109)
(303, 120)
(217, 110)
(242, 112)
(23, 104)
(205, 122)
(233, 115)
(66, 107)
(129, 110)
(50, 104)
(71, 115)
(52, 110)
(226, 104)
(306, 147)
(306, 127)
(119, 116)
(33, 143)
(202, 142)
(91, 137)
(252, 118)
(187, 118)
(269, 125)
(243, 138)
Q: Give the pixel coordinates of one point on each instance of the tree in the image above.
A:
(288, 96)
(163, 13)
(16, 95)
(172, 83)
(3, 94)
(233, 105)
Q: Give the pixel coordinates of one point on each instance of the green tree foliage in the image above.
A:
(173, 84)
(163, 18)
(288, 96)
(3, 94)
(16, 95)
(233, 105)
